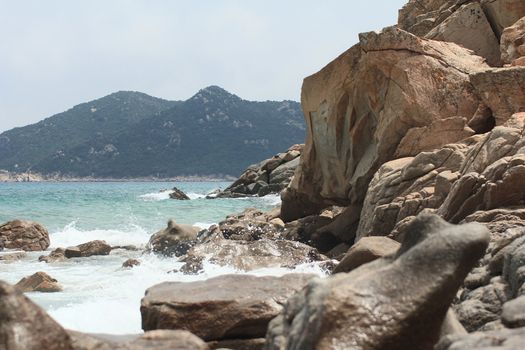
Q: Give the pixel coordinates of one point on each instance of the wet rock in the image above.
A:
(25, 235)
(193, 265)
(396, 302)
(252, 255)
(178, 194)
(225, 307)
(365, 250)
(175, 240)
(97, 247)
(130, 263)
(39, 282)
(12, 256)
(57, 255)
(26, 326)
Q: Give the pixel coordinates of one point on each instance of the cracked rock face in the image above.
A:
(396, 302)
(25, 235)
(378, 101)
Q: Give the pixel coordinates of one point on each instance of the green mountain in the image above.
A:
(212, 133)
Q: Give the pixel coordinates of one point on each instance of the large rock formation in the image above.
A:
(25, 235)
(396, 302)
(221, 308)
(378, 101)
(513, 43)
(269, 176)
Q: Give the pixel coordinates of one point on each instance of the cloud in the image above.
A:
(58, 53)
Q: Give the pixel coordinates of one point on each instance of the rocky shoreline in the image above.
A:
(409, 192)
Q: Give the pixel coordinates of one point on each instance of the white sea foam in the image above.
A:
(156, 196)
(203, 225)
(193, 195)
(70, 235)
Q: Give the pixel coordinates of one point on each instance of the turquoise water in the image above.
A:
(99, 296)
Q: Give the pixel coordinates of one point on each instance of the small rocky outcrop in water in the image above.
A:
(269, 176)
(97, 247)
(130, 263)
(396, 302)
(57, 255)
(178, 194)
(25, 235)
(39, 282)
(222, 308)
(175, 240)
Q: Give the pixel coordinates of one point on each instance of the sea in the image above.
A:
(99, 295)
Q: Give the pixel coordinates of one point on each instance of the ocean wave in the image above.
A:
(194, 195)
(70, 235)
(203, 225)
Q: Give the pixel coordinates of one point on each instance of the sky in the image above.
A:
(55, 54)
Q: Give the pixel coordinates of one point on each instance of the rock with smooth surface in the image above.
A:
(360, 107)
(512, 44)
(503, 13)
(367, 249)
(225, 307)
(24, 325)
(396, 302)
(513, 314)
(25, 235)
(39, 282)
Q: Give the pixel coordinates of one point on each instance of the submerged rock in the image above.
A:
(57, 255)
(130, 263)
(175, 240)
(25, 235)
(39, 282)
(395, 302)
(12, 256)
(224, 307)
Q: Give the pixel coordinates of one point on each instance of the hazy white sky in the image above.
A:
(55, 54)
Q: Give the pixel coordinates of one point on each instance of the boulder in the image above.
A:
(25, 235)
(503, 339)
(359, 108)
(468, 26)
(178, 194)
(251, 255)
(175, 240)
(97, 247)
(365, 250)
(513, 315)
(502, 90)
(26, 326)
(395, 302)
(512, 44)
(153, 340)
(12, 256)
(130, 263)
(39, 282)
(57, 255)
(503, 13)
(224, 307)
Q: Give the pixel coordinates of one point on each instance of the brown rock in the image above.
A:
(468, 27)
(502, 90)
(396, 302)
(513, 38)
(503, 13)
(240, 344)
(25, 235)
(365, 250)
(26, 326)
(12, 256)
(178, 194)
(360, 106)
(130, 263)
(91, 248)
(513, 314)
(225, 307)
(253, 255)
(39, 282)
(57, 255)
(176, 239)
